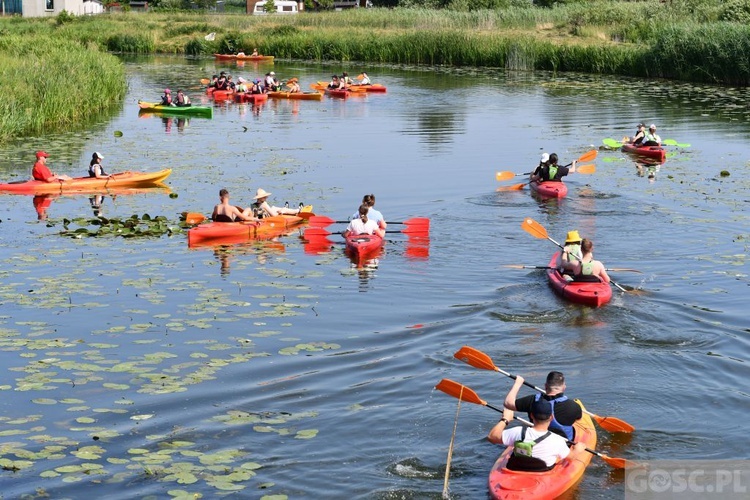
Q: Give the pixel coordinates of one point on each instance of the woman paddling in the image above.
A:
(363, 225)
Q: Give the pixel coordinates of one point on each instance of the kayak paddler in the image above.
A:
(261, 197)
(534, 448)
(564, 411)
(536, 175)
(41, 172)
(589, 269)
(554, 172)
(652, 138)
(224, 212)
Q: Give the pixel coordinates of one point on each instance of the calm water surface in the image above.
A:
(136, 368)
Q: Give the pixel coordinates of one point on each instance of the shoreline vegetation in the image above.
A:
(690, 40)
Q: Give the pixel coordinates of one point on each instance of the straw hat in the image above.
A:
(573, 237)
(260, 193)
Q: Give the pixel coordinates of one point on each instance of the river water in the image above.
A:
(140, 368)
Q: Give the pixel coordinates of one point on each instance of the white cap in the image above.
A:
(545, 158)
(98, 155)
(272, 73)
(652, 126)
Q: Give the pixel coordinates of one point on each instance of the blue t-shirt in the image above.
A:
(372, 214)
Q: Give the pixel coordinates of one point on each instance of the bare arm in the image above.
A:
(602, 272)
(510, 399)
(496, 433)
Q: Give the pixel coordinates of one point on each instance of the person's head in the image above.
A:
(368, 200)
(573, 238)
(555, 383)
(214, 77)
(229, 77)
(42, 156)
(167, 91)
(363, 209)
(179, 92)
(586, 246)
(541, 410)
(652, 128)
(553, 159)
(96, 157)
(641, 126)
(344, 74)
(364, 74)
(335, 77)
(261, 195)
(223, 194)
(544, 159)
(223, 73)
(272, 73)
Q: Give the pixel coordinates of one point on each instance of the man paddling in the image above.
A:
(554, 172)
(41, 172)
(564, 411)
(534, 448)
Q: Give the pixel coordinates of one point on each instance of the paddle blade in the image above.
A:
(475, 358)
(589, 168)
(588, 156)
(613, 424)
(360, 76)
(612, 143)
(514, 187)
(321, 221)
(617, 463)
(534, 228)
(194, 217)
(316, 232)
(315, 86)
(459, 391)
(504, 176)
(205, 81)
(417, 221)
(306, 215)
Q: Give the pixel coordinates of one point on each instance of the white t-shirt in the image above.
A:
(358, 227)
(552, 448)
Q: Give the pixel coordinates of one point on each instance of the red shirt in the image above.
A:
(40, 172)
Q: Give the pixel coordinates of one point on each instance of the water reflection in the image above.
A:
(43, 202)
(435, 127)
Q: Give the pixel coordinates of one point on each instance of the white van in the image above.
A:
(282, 7)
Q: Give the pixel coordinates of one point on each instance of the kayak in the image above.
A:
(248, 97)
(549, 189)
(305, 96)
(153, 107)
(362, 247)
(341, 93)
(655, 152)
(83, 184)
(581, 292)
(375, 87)
(234, 57)
(219, 94)
(221, 233)
(511, 484)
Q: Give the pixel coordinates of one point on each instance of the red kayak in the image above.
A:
(248, 97)
(549, 189)
(581, 292)
(340, 93)
(362, 247)
(656, 152)
(219, 94)
(222, 233)
(520, 485)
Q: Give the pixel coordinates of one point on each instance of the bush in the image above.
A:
(737, 11)
(64, 17)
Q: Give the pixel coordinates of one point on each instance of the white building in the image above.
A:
(50, 8)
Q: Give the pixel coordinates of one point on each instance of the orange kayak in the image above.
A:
(248, 97)
(519, 485)
(83, 184)
(222, 233)
(305, 96)
(234, 57)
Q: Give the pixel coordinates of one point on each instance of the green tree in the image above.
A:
(270, 7)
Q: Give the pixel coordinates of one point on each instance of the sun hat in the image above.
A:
(261, 193)
(98, 155)
(272, 73)
(573, 237)
(40, 154)
(541, 409)
(545, 158)
(167, 91)
(652, 126)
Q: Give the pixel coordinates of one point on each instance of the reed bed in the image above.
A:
(53, 84)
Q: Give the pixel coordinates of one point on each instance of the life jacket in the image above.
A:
(221, 84)
(574, 253)
(551, 172)
(567, 430)
(166, 99)
(92, 173)
(522, 460)
(183, 100)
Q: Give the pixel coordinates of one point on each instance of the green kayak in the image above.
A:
(152, 107)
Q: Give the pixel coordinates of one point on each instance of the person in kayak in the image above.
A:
(221, 83)
(256, 87)
(255, 52)
(166, 99)
(640, 134)
(564, 411)
(182, 100)
(535, 448)
(588, 269)
(335, 83)
(95, 167)
(224, 212)
(363, 225)
(536, 175)
(554, 172)
(345, 79)
(263, 209)
(214, 79)
(293, 86)
(571, 254)
(41, 172)
(270, 83)
(374, 215)
(365, 80)
(652, 138)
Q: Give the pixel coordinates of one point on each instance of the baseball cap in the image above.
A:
(98, 155)
(545, 158)
(541, 409)
(40, 154)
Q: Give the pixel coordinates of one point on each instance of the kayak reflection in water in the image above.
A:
(647, 169)
(41, 203)
(97, 201)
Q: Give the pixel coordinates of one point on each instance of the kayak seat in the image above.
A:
(586, 278)
(527, 464)
(223, 218)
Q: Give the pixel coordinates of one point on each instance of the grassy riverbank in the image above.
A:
(682, 40)
(48, 83)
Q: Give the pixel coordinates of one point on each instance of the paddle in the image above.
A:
(205, 81)
(322, 221)
(417, 231)
(612, 143)
(587, 156)
(672, 142)
(609, 269)
(589, 168)
(194, 217)
(478, 359)
(464, 393)
(538, 231)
